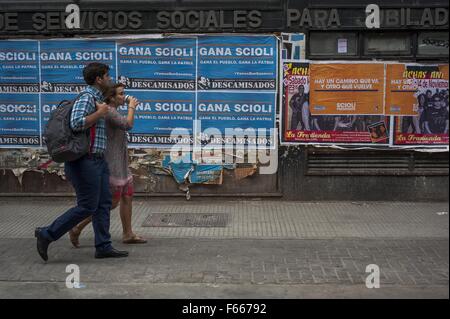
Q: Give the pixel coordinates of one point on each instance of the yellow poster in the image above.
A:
(410, 87)
(347, 88)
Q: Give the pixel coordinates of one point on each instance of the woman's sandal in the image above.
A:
(135, 240)
(74, 236)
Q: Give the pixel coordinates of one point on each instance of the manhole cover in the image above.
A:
(186, 220)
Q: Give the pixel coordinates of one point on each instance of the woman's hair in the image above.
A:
(111, 92)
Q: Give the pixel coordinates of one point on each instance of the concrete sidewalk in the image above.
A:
(269, 249)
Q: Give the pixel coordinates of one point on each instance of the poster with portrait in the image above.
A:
(418, 96)
(294, 104)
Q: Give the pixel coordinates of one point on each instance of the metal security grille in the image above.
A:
(354, 163)
(186, 220)
(438, 166)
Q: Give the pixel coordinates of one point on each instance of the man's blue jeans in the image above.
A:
(90, 178)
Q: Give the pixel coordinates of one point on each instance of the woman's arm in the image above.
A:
(124, 123)
(131, 109)
(116, 120)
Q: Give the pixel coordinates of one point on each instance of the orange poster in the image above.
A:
(406, 84)
(347, 88)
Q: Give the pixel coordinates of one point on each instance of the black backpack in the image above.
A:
(63, 144)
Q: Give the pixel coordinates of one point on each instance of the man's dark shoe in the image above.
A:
(112, 253)
(42, 244)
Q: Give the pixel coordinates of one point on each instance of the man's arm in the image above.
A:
(102, 110)
(85, 113)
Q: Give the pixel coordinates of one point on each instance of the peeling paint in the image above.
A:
(144, 163)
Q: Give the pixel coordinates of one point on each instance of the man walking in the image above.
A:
(89, 175)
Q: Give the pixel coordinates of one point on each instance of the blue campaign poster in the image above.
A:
(19, 66)
(189, 83)
(160, 115)
(62, 62)
(237, 63)
(229, 113)
(203, 173)
(157, 64)
(19, 120)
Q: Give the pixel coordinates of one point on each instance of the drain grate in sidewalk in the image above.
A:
(186, 220)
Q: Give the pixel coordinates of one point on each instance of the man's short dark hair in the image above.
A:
(92, 70)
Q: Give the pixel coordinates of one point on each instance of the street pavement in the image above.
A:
(269, 249)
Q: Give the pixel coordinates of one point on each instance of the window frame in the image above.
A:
(429, 56)
(335, 56)
(386, 54)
